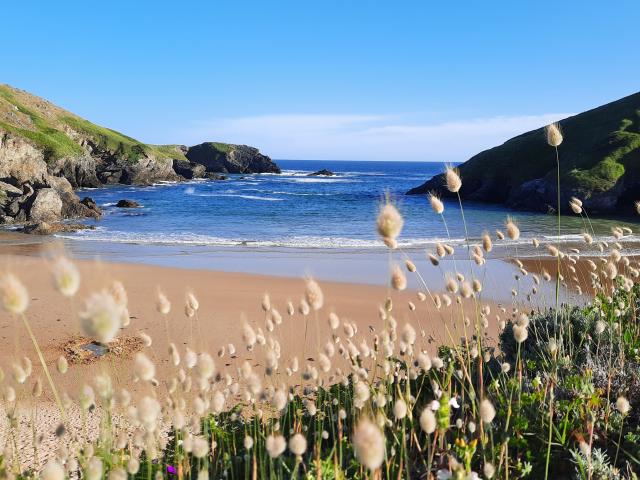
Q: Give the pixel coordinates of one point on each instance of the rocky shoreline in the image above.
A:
(46, 153)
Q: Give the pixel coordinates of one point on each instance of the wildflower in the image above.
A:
(452, 285)
(62, 365)
(489, 470)
(369, 444)
(148, 412)
(398, 278)
(144, 368)
(94, 469)
(248, 335)
(313, 294)
(15, 298)
(512, 229)
(487, 411)
(389, 222)
(433, 259)
(133, 466)
(452, 180)
(465, 289)
(101, 317)
(411, 267)
(163, 305)
(610, 270)
(206, 367)
(334, 321)
(52, 471)
(248, 442)
(275, 445)
(118, 293)
(400, 409)
(436, 204)
(487, 244)
(408, 334)
(200, 447)
(575, 207)
(622, 405)
(192, 302)
(520, 333)
(600, 327)
(554, 135)
(428, 421)
(66, 277)
(298, 444)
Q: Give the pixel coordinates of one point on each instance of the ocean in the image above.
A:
(291, 224)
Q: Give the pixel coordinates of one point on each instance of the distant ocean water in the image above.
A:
(294, 210)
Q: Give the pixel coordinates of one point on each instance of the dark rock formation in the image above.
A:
(189, 170)
(599, 163)
(226, 158)
(322, 173)
(127, 204)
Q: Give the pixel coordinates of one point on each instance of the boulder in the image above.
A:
(322, 173)
(47, 206)
(46, 228)
(216, 176)
(127, 204)
(189, 170)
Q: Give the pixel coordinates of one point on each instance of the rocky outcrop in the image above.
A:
(322, 173)
(189, 170)
(599, 164)
(227, 158)
(28, 192)
(127, 204)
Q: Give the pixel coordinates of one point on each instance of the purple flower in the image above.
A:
(171, 469)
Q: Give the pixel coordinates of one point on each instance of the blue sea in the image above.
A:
(298, 211)
(293, 223)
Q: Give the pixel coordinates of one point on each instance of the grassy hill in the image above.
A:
(59, 133)
(599, 158)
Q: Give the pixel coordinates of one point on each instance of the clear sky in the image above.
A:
(344, 79)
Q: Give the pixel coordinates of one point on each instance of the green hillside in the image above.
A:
(59, 133)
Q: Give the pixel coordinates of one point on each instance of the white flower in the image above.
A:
(369, 444)
(275, 445)
(400, 409)
(206, 367)
(200, 447)
(15, 298)
(428, 420)
(298, 444)
(143, 367)
(52, 471)
(94, 469)
(101, 318)
(623, 406)
(454, 402)
(66, 277)
(487, 411)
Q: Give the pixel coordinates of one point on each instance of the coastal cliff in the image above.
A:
(599, 163)
(46, 152)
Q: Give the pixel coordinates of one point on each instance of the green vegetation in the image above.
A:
(47, 133)
(119, 144)
(600, 146)
(54, 143)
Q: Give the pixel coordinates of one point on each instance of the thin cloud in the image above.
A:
(367, 137)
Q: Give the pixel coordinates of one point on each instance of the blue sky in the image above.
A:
(347, 79)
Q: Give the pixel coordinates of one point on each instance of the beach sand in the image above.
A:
(226, 299)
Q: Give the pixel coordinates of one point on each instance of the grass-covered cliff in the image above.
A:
(599, 163)
(60, 133)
